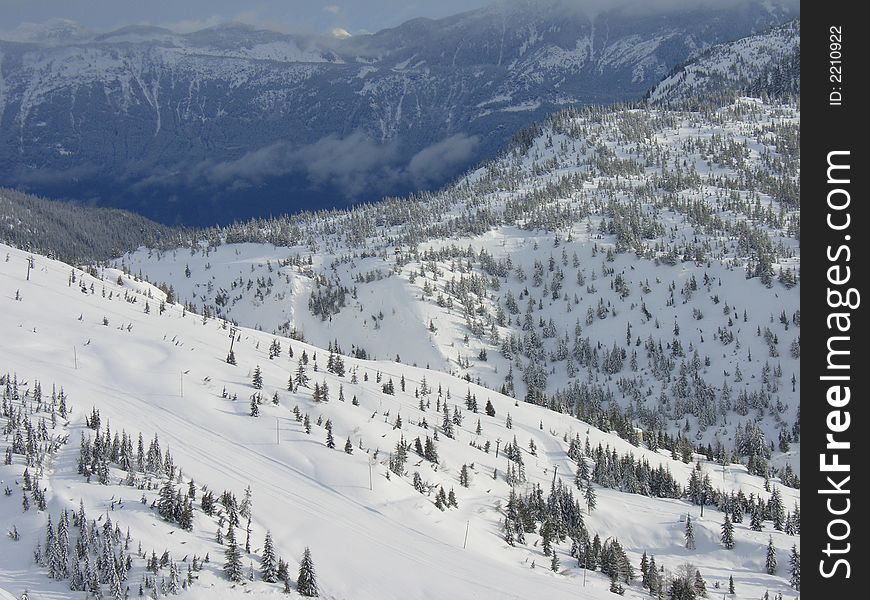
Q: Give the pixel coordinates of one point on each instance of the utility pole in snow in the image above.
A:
(233, 331)
(277, 434)
(75, 357)
(465, 543)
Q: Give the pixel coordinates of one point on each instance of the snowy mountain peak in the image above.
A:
(55, 31)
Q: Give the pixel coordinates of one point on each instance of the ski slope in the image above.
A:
(165, 373)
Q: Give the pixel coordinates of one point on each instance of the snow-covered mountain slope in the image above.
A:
(90, 361)
(239, 122)
(764, 63)
(72, 231)
(633, 262)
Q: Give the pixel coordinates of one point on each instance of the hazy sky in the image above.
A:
(312, 16)
(184, 15)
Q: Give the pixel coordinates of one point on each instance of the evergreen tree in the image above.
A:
(166, 501)
(795, 568)
(233, 562)
(185, 519)
(430, 451)
(728, 533)
(348, 446)
(447, 422)
(306, 583)
(282, 572)
(755, 519)
(690, 533)
(653, 577)
(776, 509)
(267, 561)
(681, 589)
(770, 560)
(644, 570)
(731, 584)
(257, 379)
(301, 376)
(700, 585)
(490, 409)
(589, 496)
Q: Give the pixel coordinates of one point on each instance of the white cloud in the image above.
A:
(190, 25)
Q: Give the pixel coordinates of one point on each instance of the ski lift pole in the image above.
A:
(233, 331)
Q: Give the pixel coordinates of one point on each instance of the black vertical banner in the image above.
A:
(834, 170)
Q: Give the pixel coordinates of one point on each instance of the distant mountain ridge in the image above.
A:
(233, 122)
(767, 63)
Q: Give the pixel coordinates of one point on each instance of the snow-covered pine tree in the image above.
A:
(644, 570)
(727, 533)
(699, 585)
(306, 582)
(795, 568)
(463, 475)
(589, 496)
(490, 409)
(755, 520)
(690, 533)
(268, 567)
(653, 577)
(447, 422)
(770, 558)
(233, 557)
